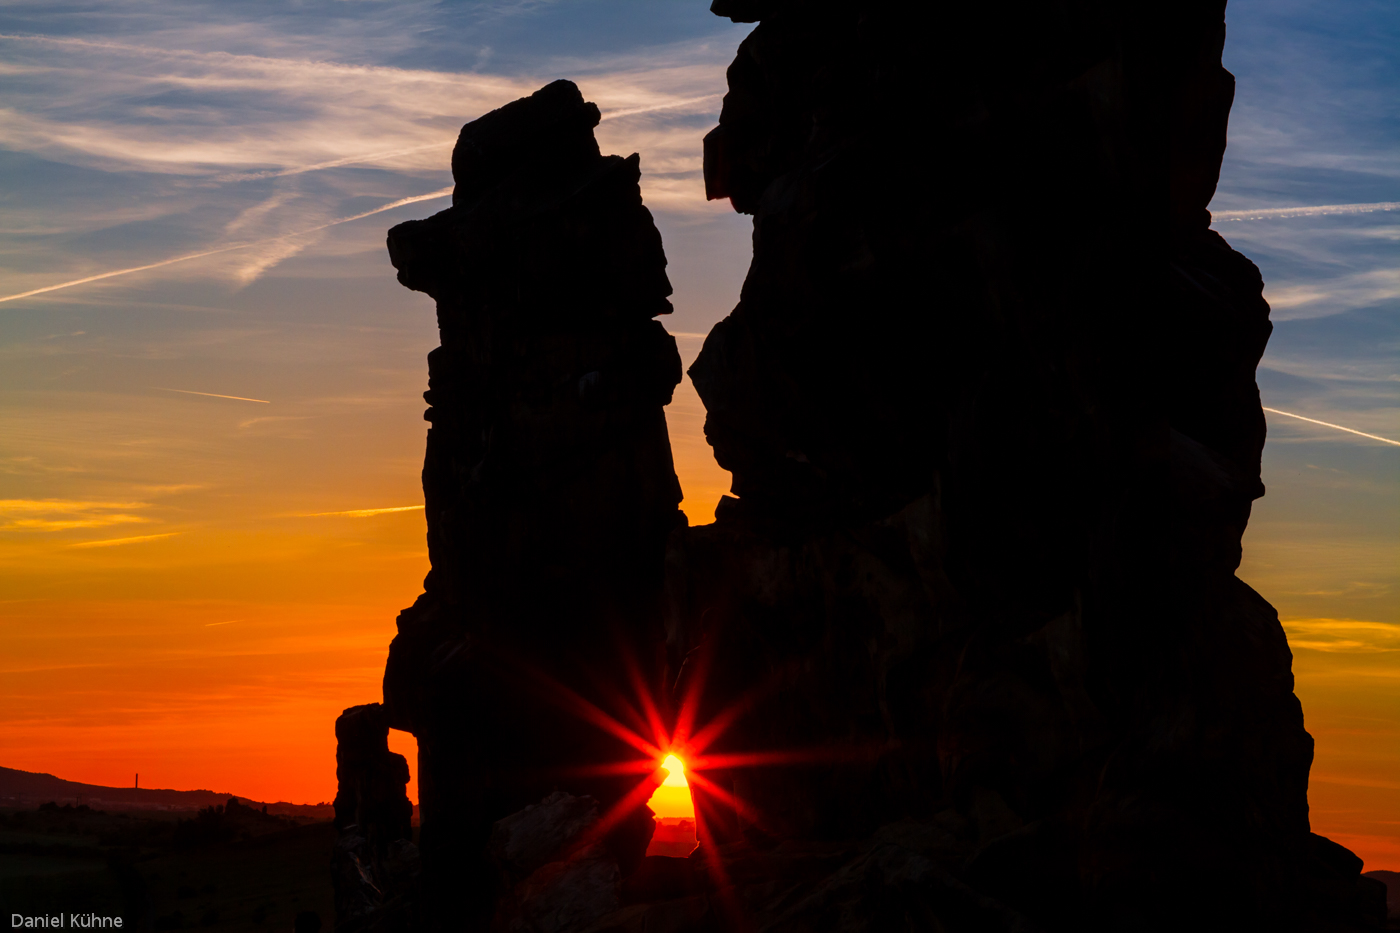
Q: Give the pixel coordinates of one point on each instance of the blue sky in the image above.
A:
(138, 131)
(1317, 122)
(196, 584)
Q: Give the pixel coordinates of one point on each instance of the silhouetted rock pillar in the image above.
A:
(548, 482)
(375, 863)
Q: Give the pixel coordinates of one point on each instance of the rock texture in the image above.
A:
(548, 484)
(966, 646)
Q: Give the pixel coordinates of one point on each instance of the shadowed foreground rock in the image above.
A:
(970, 619)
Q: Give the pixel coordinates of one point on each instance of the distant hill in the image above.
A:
(21, 789)
(1391, 880)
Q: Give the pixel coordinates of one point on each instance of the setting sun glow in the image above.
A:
(675, 769)
(672, 799)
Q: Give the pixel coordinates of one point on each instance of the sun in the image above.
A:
(675, 769)
(671, 800)
(653, 731)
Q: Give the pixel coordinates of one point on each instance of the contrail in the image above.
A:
(213, 395)
(365, 513)
(335, 163)
(614, 114)
(1283, 212)
(441, 193)
(113, 542)
(1328, 424)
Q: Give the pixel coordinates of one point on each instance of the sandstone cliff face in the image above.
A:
(966, 648)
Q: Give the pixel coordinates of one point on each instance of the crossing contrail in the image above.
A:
(441, 193)
(237, 398)
(1276, 213)
(1328, 424)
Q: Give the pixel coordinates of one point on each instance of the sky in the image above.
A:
(209, 468)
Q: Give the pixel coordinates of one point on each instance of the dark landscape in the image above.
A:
(161, 859)
(20, 789)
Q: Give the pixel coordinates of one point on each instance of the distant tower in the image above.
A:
(138, 781)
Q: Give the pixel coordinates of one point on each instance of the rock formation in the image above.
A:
(989, 402)
(375, 865)
(548, 484)
(967, 637)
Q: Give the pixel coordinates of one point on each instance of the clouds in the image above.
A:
(1315, 103)
(1322, 297)
(130, 107)
(1308, 191)
(250, 157)
(1342, 635)
(257, 255)
(47, 515)
(127, 107)
(238, 164)
(242, 153)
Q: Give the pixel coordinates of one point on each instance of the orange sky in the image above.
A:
(218, 655)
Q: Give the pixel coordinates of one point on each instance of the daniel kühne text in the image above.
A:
(65, 922)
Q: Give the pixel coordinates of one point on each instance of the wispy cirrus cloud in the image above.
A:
(264, 143)
(1321, 297)
(1342, 635)
(66, 514)
(127, 106)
